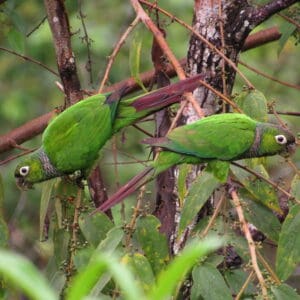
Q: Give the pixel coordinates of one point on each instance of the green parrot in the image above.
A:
(221, 137)
(72, 140)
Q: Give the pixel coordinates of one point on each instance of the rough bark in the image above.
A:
(200, 58)
(59, 24)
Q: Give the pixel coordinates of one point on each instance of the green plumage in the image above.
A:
(80, 131)
(212, 137)
(72, 140)
(223, 137)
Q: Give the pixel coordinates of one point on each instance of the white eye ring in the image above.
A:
(24, 171)
(281, 139)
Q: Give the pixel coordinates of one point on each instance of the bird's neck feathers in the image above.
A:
(263, 143)
(254, 150)
(49, 170)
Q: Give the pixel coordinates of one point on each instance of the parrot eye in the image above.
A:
(281, 139)
(24, 170)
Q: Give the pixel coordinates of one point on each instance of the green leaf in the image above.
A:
(95, 227)
(208, 283)
(107, 245)
(56, 277)
(135, 56)
(45, 198)
(4, 234)
(284, 292)
(16, 40)
(259, 190)
(262, 217)
(235, 279)
(219, 169)
(171, 278)
(288, 252)
(141, 268)
(61, 238)
(198, 194)
(181, 181)
(295, 187)
(65, 192)
(254, 104)
(22, 274)
(153, 243)
(101, 263)
(112, 240)
(286, 32)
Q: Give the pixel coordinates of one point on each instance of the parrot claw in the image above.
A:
(77, 178)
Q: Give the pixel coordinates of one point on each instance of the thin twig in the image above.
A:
(36, 27)
(142, 130)
(222, 48)
(29, 59)
(282, 124)
(8, 159)
(289, 20)
(243, 288)
(126, 162)
(136, 212)
(214, 216)
(294, 167)
(115, 51)
(294, 86)
(203, 39)
(143, 162)
(220, 95)
(168, 52)
(74, 230)
(273, 184)
(251, 244)
(289, 113)
(268, 268)
(87, 41)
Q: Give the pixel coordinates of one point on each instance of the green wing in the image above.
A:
(224, 137)
(73, 139)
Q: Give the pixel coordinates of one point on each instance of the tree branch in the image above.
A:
(158, 35)
(262, 13)
(37, 125)
(59, 24)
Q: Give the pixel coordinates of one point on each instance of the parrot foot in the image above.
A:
(77, 178)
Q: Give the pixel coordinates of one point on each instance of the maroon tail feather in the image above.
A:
(167, 95)
(127, 189)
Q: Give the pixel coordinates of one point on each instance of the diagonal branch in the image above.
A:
(251, 244)
(262, 13)
(27, 58)
(168, 52)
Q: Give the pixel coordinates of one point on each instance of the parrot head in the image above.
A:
(34, 169)
(28, 172)
(274, 140)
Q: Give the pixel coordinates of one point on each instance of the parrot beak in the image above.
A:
(289, 150)
(22, 184)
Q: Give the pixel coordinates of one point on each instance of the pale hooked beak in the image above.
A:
(23, 184)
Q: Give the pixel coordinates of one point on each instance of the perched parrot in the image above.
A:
(72, 140)
(223, 137)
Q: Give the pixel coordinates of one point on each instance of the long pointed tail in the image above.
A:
(167, 95)
(127, 189)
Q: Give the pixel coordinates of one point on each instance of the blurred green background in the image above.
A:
(28, 91)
